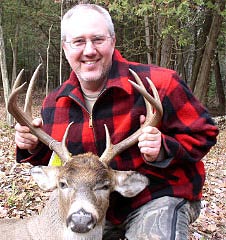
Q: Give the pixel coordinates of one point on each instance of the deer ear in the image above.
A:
(129, 183)
(45, 177)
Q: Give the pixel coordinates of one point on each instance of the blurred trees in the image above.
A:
(185, 35)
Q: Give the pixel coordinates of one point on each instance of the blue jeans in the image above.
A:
(165, 218)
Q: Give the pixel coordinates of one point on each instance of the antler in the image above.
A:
(25, 117)
(152, 119)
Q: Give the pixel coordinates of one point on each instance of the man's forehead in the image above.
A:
(87, 25)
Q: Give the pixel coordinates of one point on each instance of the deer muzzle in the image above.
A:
(81, 221)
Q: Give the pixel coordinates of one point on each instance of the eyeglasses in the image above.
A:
(80, 43)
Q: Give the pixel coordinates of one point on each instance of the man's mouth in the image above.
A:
(90, 62)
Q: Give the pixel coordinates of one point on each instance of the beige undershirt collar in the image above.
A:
(90, 99)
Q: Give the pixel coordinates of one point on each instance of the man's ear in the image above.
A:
(114, 40)
(65, 47)
(45, 177)
(129, 183)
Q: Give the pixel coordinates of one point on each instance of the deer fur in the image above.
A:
(82, 183)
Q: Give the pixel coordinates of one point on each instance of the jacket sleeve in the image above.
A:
(188, 132)
(40, 158)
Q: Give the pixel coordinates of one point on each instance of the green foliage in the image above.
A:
(181, 22)
(13, 196)
(33, 20)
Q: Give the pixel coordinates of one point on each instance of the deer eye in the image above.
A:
(63, 184)
(102, 186)
(106, 187)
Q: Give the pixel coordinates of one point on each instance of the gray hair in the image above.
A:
(94, 7)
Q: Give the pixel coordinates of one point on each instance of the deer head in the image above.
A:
(85, 181)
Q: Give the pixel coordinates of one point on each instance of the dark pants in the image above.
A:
(165, 218)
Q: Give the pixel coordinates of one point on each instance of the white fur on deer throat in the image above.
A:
(94, 234)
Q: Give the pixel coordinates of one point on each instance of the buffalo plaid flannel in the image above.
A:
(187, 131)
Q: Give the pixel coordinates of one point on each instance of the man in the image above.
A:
(98, 92)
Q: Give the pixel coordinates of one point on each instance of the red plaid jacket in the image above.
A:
(187, 131)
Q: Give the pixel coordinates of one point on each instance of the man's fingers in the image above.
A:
(149, 142)
(150, 134)
(24, 139)
(150, 129)
(37, 122)
(21, 129)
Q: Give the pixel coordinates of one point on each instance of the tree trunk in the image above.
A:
(166, 51)
(47, 62)
(164, 44)
(5, 80)
(14, 48)
(160, 23)
(147, 38)
(61, 49)
(200, 40)
(219, 86)
(180, 67)
(202, 84)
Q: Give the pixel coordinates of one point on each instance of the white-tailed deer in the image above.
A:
(77, 207)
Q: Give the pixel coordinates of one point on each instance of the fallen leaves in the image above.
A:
(19, 195)
(212, 220)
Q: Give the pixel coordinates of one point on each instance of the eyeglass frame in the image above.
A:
(82, 44)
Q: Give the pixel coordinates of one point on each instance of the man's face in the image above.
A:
(90, 61)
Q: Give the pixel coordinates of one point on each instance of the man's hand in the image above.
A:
(24, 139)
(149, 142)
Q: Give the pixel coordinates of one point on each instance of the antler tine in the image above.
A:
(18, 79)
(109, 148)
(155, 102)
(28, 98)
(26, 120)
(152, 119)
(63, 143)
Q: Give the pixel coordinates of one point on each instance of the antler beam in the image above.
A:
(24, 118)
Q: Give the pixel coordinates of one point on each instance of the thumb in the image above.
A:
(37, 122)
(142, 119)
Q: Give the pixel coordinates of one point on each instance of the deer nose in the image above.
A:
(81, 221)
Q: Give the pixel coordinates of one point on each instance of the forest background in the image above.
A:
(185, 35)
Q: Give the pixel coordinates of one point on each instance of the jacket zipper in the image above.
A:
(91, 120)
(91, 115)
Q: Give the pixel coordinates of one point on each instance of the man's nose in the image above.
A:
(89, 48)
